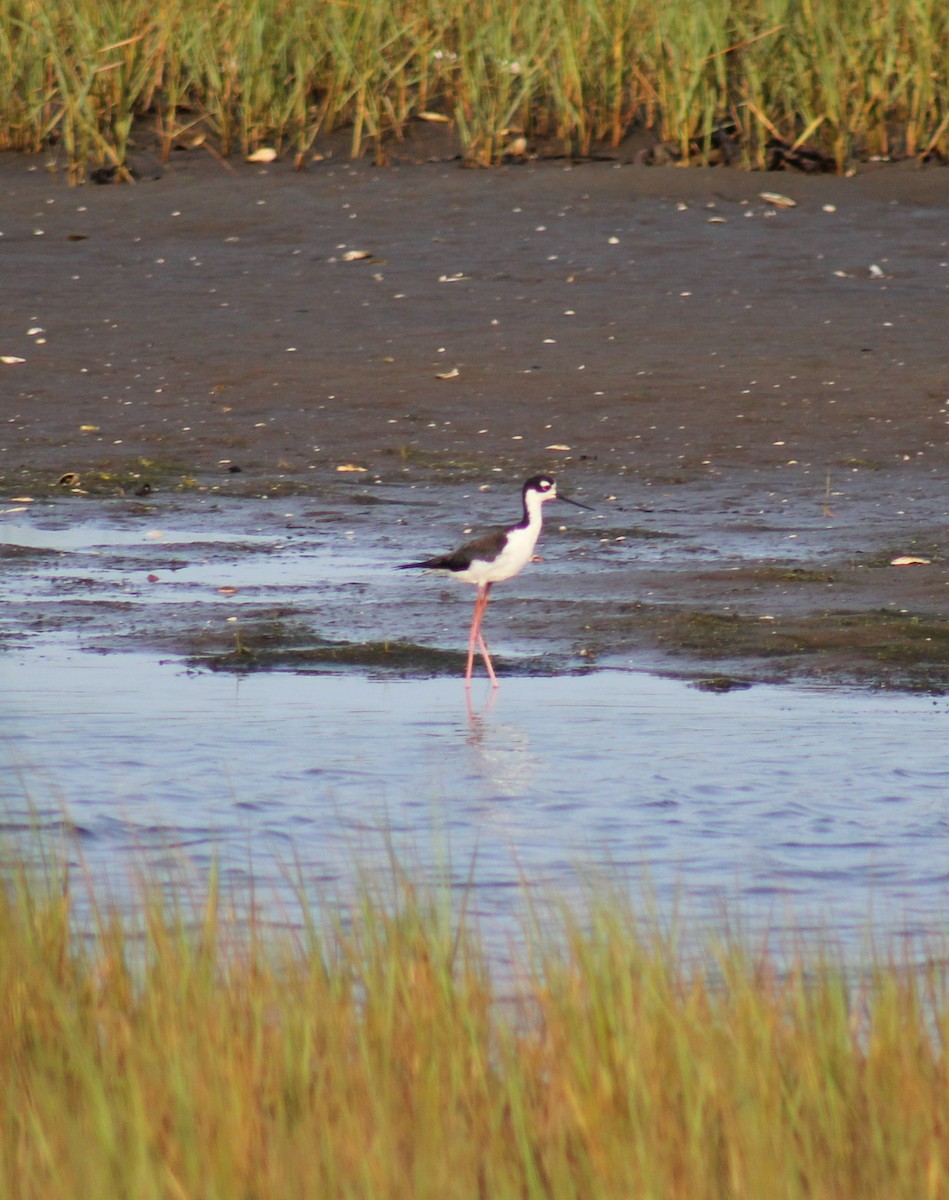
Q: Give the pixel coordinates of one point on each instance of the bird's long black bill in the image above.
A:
(575, 503)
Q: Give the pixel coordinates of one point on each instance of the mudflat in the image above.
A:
(752, 395)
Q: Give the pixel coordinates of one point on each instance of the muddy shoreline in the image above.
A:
(752, 397)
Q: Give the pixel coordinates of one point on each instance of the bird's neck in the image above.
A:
(533, 516)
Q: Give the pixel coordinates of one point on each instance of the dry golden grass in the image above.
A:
(853, 76)
(368, 1055)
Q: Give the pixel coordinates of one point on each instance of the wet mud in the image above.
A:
(246, 395)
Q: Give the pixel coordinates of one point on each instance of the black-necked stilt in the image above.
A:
(496, 556)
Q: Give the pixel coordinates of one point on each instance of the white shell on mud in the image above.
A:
(909, 560)
(778, 200)
(265, 154)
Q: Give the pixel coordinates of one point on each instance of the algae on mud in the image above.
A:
(882, 648)
(400, 658)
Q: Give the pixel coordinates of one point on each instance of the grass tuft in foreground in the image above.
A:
(367, 1054)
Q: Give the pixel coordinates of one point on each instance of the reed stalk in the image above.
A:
(86, 80)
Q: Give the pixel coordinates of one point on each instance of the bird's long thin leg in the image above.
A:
(481, 642)
(487, 661)
(480, 602)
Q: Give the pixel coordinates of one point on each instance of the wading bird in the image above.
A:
(496, 556)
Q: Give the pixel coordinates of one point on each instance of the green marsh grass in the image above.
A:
(193, 1050)
(83, 79)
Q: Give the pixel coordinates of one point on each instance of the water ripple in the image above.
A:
(836, 802)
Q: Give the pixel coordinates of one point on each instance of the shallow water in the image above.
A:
(791, 807)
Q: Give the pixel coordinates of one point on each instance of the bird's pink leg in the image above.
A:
(481, 642)
(480, 602)
(487, 661)
(475, 638)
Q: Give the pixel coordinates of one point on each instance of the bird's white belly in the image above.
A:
(517, 552)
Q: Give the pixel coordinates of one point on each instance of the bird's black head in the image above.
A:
(543, 485)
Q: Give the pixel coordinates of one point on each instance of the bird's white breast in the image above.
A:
(516, 553)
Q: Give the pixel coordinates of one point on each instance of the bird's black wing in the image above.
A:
(487, 546)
